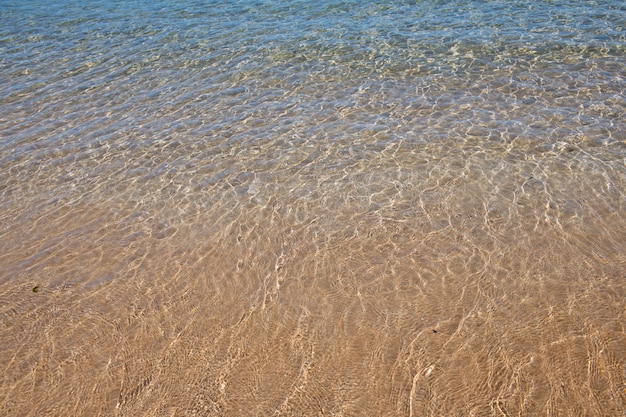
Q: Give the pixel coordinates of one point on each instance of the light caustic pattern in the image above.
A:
(414, 280)
(244, 219)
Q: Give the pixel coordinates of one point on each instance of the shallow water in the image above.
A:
(313, 208)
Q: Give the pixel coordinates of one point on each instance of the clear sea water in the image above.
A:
(291, 208)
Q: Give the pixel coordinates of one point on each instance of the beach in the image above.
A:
(312, 209)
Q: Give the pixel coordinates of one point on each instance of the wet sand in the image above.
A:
(481, 279)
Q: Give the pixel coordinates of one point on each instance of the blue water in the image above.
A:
(132, 60)
(312, 208)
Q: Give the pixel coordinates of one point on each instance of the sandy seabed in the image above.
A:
(471, 281)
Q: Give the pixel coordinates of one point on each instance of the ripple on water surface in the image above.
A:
(312, 208)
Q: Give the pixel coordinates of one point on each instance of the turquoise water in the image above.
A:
(516, 67)
(313, 208)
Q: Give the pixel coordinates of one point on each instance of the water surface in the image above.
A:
(312, 208)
